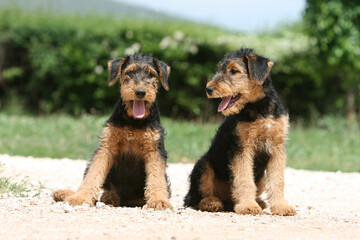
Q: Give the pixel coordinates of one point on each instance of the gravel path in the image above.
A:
(328, 206)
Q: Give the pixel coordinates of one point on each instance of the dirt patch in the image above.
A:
(327, 205)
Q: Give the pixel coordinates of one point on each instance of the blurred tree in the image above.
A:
(335, 24)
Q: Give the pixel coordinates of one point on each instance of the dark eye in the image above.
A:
(149, 75)
(234, 71)
(131, 74)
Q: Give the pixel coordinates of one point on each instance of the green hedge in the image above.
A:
(58, 62)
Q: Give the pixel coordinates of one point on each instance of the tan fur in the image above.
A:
(211, 186)
(131, 68)
(237, 65)
(270, 65)
(263, 131)
(110, 198)
(275, 170)
(260, 189)
(116, 140)
(100, 166)
(151, 70)
(267, 134)
(207, 182)
(131, 140)
(241, 83)
(119, 70)
(243, 188)
(156, 194)
(263, 135)
(222, 189)
(144, 143)
(128, 89)
(163, 77)
(213, 191)
(211, 204)
(168, 69)
(60, 195)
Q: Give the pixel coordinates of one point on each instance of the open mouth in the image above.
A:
(228, 102)
(138, 108)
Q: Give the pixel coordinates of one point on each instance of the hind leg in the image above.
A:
(60, 195)
(210, 202)
(135, 202)
(260, 189)
(110, 198)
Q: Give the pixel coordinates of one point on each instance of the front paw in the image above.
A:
(158, 204)
(60, 195)
(248, 208)
(283, 209)
(79, 199)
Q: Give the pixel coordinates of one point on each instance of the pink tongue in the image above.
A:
(224, 103)
(138, 108)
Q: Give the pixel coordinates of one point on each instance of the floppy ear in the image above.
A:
(259, 67)
(115, 67)
(164, 71)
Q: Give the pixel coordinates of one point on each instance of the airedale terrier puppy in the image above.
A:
(130, 163)
(247, 154)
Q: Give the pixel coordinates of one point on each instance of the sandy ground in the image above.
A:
(327, 204)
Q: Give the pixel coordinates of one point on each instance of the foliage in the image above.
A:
(58, 62)
(328, 146)
(83, 7)
(335, 25)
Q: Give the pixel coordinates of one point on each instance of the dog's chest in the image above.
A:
(133, 140)
(263, 133)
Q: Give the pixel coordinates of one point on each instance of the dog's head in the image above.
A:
(139, 79)
(239, 79)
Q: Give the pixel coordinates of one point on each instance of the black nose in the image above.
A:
(209, 90)
(140, 93)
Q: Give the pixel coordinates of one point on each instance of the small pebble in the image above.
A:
(100, 204)
(67, 208)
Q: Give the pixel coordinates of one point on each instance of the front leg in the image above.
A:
(244, 188)
(89, 189)
(156, 193)
(275, 183)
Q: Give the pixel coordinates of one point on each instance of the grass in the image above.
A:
(52, 136)
(16, 188)
(186, 141)
(20, 188)
(329, 146)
